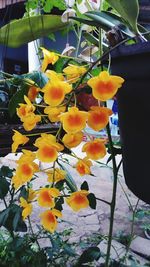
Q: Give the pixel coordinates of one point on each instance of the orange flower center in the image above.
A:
(75, 120)
(48, 152)
(98, 117)
(50, 218)
(26, 169)
(81, 168)
(105, 87)
(79, 199)
(56, 93)
(46, 196)
(94, 148)
(22, 111)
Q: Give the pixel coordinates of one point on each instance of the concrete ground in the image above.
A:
(90, 221)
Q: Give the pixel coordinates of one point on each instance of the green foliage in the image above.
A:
(25, 30)
(84, 186)
(45, 5)
(92, 200)
(89, 255)
(11, 219)
(128, 10)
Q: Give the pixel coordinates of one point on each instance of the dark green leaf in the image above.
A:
(6, 172)
(89, 255)
(23, 192)
(128, 10)
(92, 200)
(58, 204)
(90, 38)
(38, 77)
(86, 21)
(107, 21)
(59, 185)
(27, 29)
(4, 187)
(3, 216)
(68, 250)
(84, 186)
(17, 98)
(9, 221)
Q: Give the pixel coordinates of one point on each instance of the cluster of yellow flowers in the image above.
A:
(57, 96)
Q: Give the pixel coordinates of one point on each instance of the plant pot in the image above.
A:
(132, 62)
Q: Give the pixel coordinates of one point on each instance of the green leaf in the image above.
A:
(23, 192)
(38, 77)
(92, 200)
(58, 204)
(48, 6)
(6, 172)
(107, 21)
(17, 98)
(128, 10)
(69, 180)
(84, 186)
(4, 187)
(11, 219)
(4, 216)
(51, 36)
(89, 255)
(90, 38)
(25, 30)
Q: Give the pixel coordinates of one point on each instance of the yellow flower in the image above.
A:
(105, 86)
(46, 197)
(55, 91)
(25, 169)
(54, 75)
(72, 140)
(48, 148)
(95, 149)
(30, 121)
(53, 113)
(49, 58)
(56, 176)
(33, 92)
(83, 166)
(48, 219)
(17, 181)
(78, 200)
(18, 139)
(32, 194)
(98, 117)
(27, 208)
(25, 109)
(74, 120)
(73, 72)
(27, 156)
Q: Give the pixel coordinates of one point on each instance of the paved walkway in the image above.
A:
(87, 221)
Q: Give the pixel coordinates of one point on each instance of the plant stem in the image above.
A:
(78, 43)
(102, 200)
(113, 202)
(30, 225)
(132, 230)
